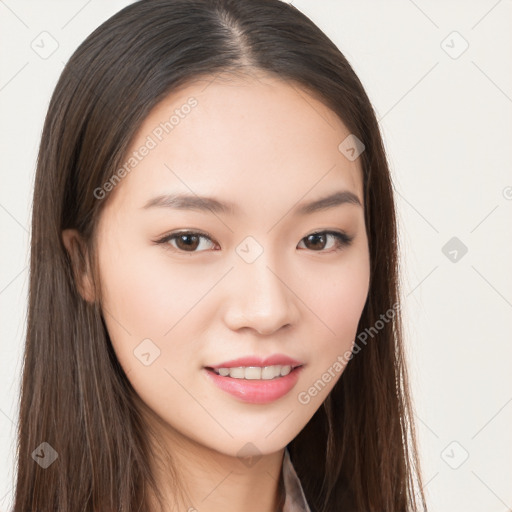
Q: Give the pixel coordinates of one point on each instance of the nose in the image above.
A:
(260, 298)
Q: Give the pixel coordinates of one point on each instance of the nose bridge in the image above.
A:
(261, 297)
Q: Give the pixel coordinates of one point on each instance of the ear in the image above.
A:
(78, 254)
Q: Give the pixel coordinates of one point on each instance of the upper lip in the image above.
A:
(275, 359)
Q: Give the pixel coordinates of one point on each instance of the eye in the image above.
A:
(190, 241)
(186, 241)
(319, 238)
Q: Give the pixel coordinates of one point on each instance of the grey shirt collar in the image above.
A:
(295, 499)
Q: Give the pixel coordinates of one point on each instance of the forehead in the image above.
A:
(255, 138)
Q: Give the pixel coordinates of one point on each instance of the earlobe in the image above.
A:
(78, 255)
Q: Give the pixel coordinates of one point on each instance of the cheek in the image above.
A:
(150, 309)
(149, 296)
(336, 299)
(150, 299)
(336, 294)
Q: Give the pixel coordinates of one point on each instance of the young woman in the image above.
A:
(214, 315)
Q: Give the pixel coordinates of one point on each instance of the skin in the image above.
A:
(266, 146)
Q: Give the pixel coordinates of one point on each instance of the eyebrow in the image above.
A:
(204, 203)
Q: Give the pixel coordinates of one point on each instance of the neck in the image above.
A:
(202, 479)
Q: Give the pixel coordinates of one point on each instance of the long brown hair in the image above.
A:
(358, 452)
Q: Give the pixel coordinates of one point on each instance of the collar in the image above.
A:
(295, 500)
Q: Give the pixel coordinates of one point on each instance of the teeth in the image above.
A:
(269, 372)
(285, 370)
(254, 372)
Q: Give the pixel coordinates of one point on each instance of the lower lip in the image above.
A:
(256, 391)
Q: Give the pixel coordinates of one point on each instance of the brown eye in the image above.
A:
(317, 241)
(191, 241)
(186, 241)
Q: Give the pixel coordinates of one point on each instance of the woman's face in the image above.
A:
(248, 280)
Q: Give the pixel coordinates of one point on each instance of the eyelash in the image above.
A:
(342, 240)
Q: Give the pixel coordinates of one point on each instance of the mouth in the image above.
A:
(255, 372)
(254, 384)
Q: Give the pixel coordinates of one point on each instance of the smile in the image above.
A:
(255, 372)
(254, 384)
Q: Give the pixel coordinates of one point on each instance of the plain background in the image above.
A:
(445, 114)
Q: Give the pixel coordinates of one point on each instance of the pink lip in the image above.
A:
(254, 391)
(272, 360)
